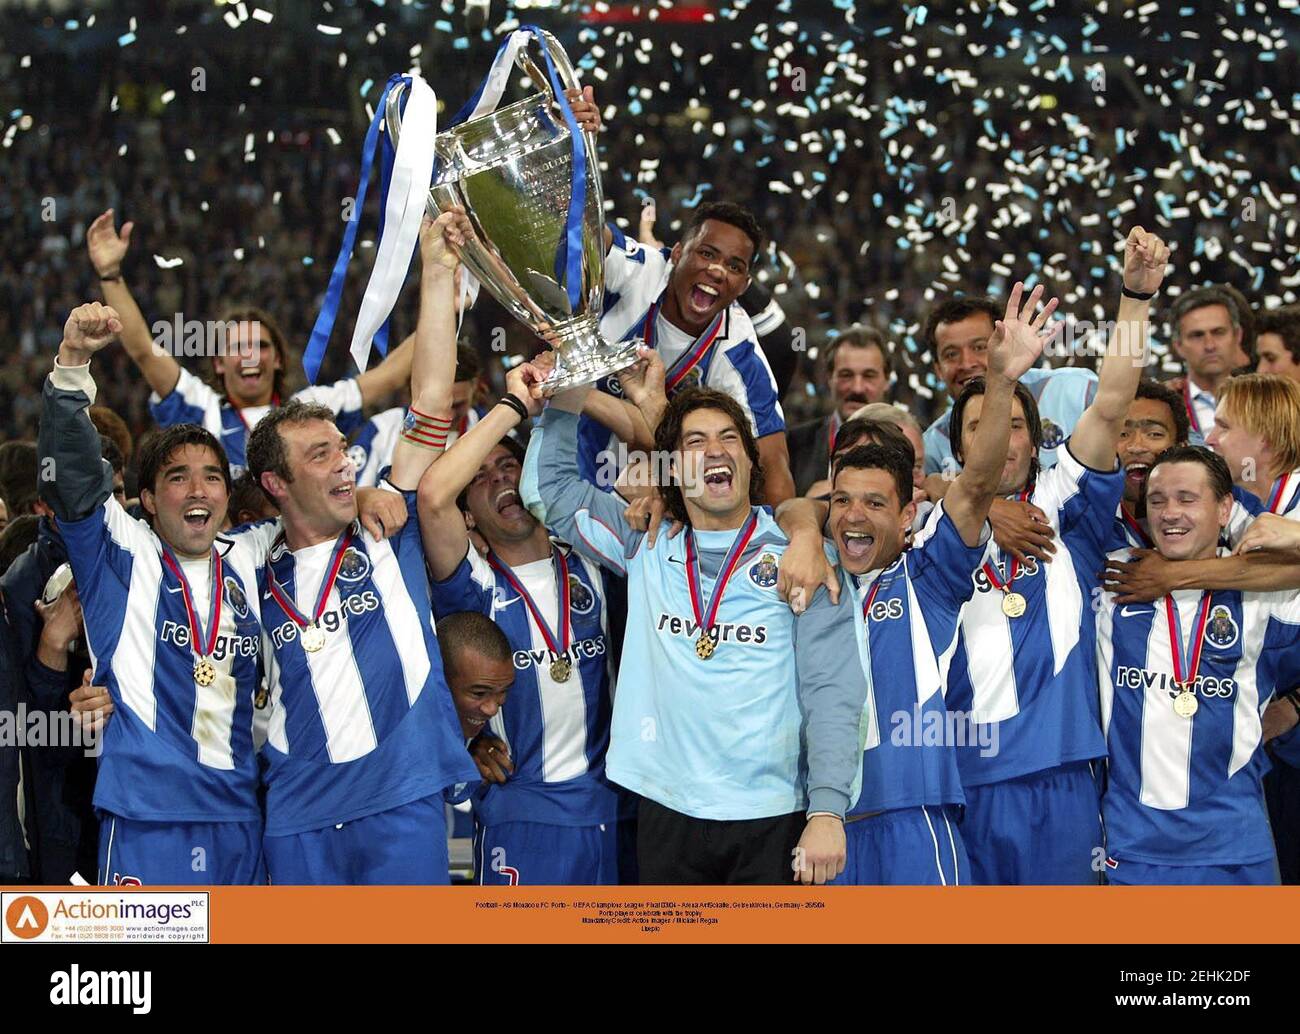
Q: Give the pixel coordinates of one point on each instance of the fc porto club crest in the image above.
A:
(693, 379)
(581, 599)
(358, 455)
(354, 566)
(1053, 435)
(1221, 630)
(614, 386)
(235, 595)
(762, 572)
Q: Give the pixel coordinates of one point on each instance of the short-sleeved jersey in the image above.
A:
(193, 402)
(557, 732)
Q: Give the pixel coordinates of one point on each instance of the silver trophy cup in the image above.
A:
(510, 172)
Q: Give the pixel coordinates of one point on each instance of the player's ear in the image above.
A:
(1225, 511)
(274, 484)
(907, 517)
(147, 501)
(676, 255)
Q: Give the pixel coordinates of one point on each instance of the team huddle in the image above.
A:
(1051, 639)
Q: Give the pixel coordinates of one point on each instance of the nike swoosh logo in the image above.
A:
(499, 605)
(170, 589)
(674, 560)
(1126, 613)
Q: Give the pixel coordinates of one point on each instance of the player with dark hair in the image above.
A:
(1184, 680)
(480, 669)
(883, 787)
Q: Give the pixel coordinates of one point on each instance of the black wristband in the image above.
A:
(1137, 295)
(115, 276)
(510, 402)
(1291, 698)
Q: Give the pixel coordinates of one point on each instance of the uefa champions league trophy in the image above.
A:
(511, 170)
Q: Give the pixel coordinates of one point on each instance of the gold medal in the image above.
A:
(313, 638)
(704, 646)
(1186, 704)
(205, 672)
(1013, 604)
(262, 699)
(561, 669)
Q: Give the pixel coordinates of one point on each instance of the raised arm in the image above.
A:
(394, 371)
(107, 249)
(1015, 346)
(74, 479)
(442, 526)
(1097, 432)
(433, 365)
(587, 518)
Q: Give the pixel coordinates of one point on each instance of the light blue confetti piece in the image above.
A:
(920, 14)
(757, 43)
(1030, 193)
(980, 106)
(365, 87)
(819, 176)
(738, 146)
(442, 25)
(1038, 5)
(877, 199)
(1119, 140)
(126, 39)
(903, 244)
(1090, 28)
(884, 30)
(460, 43)
(946, 166)
(1200, 246)
(1267, 55)
(71, 24)
(307, 260)
(634, 106)
(1259, 273)
(765, 160)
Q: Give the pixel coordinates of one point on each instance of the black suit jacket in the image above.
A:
(809, 453)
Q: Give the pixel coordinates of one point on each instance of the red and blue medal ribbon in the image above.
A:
(558, 645)
(1279, 490)
(286, 602)
(1184, 669)
(1137, 535)
(201, 645)
(991, 572)
(705, 616)
(689, 359)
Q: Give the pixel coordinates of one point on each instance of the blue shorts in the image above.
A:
(908, 847)
(189, 854)
(404, 845)
(1145, 874)
(1043, 828)
(539, 854)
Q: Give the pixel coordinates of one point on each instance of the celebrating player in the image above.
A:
(1184, 680)
(706, 720)
(555, 819)
(171, 618)
(1024, 659)
(251, 361)
(363, 738)
(872, 747)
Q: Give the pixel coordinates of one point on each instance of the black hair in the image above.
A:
(886, 456)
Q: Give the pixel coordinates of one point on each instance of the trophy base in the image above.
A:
(573, 370)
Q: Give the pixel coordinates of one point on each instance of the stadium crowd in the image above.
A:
(955, 595)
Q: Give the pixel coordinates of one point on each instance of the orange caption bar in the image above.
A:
(749, 914)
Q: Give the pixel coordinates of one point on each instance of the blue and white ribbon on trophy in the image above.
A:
(405, 178)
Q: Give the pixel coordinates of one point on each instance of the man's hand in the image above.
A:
(803, 569)
(645, 231)
(492, 758)
(106, 247)
(822, 851)
(1018, 338)
(518, 385)
(585, 111)
(646, 513)
(1270, 531)
(91, 706)
(89, 328)
(382, 513)
(1145, 259)
(1021, 529)
(645, 378)
(1279, 717)
(1145, 578)
(441, 239)
(62, 620)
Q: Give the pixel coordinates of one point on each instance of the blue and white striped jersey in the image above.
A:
(1036, 674)
(716, 738)
(635, 278)
(372, 449)
(1187, 791)
(1062, 396)
(366, 723)
(194, 402)
(878, 734)
(175, 751)
(557, 732)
